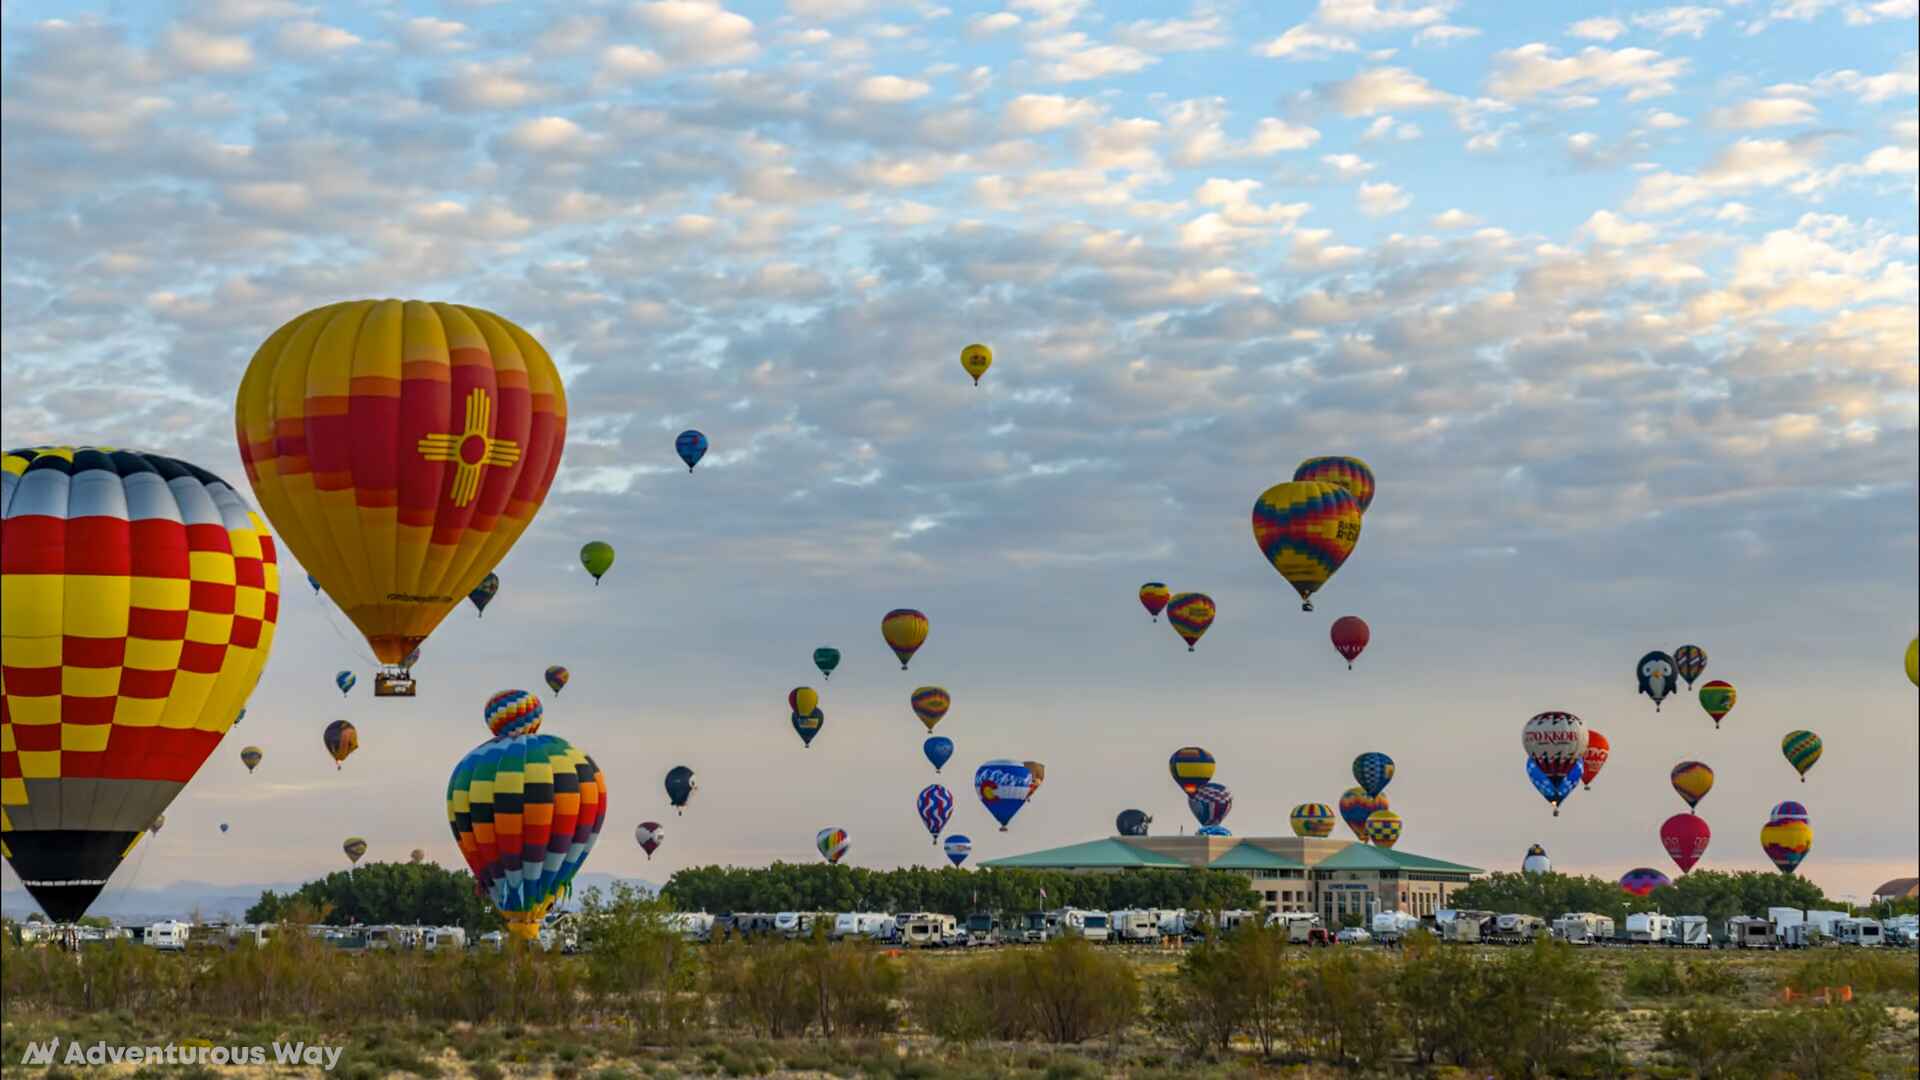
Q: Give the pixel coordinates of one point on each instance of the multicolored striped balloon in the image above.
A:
(430, 431)
(958, 847)
(526, 810)
(1802, 749)
(1787, 836)
(1717, 697)
(1356, 806)
(930, 704)
(1312, 819)
(1154, 596)
(832, 844)
(803, 699)
(1642, 880)
(1692, 779)
(1003, 786)
(1190, 613)
(1191, 766)
(1210, 803)
(1690, 661)
(935, 805)
(1383, 828)
(340, 739)
(905, 630)
(1306, 530)
(557, 677)
(513, 712)
(1350, 474)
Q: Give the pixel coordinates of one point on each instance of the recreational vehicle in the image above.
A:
(1745, 932)
(930, 930)
(450, 938)
(1648, 927)
(1689, 932)
(1865, 932)
(1091, 925)
(1518, 929)
(983, 928)
(1391, 926)
(170, 935)
(1135, 926)
(1583, 928)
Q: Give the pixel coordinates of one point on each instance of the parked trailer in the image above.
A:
(1299, 925)
(1514, 929)
(1745, 932)
(170, 935)
(1863, 932)
(930, 931)
(1689, 932)
(443, 937)
(1134, 926)
(1583, 928)
(983, 928)
(1391, 926)
(1648, 927)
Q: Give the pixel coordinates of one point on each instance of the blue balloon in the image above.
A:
(935, 805)
(482, 594)
(691, 446)
(938, 749)
(1212, 830)
(345, 680)
(1555, 793)
(1003, 787)
(809, 725)
(1374, 771)
(315, 584)
(958, 847)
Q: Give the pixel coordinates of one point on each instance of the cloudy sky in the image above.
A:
(1619, 303)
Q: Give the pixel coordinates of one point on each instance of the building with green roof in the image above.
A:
(1343, 881)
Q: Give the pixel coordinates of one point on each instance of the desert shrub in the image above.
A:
(1546, 996)
(1712, 1039)
(1664, 977)
(1441, 992)
(1349, 1011)
(1816, 1042)
(637, 962)
(853, 986)
(1078, 992)
(971, 1000)
(762, 987)
(1868, 971)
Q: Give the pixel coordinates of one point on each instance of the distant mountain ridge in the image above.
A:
(143, 906)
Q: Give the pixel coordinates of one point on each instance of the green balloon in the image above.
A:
(597, 557)
(826, 660)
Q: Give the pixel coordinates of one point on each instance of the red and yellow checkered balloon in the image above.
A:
(400, 448)
(138, 596)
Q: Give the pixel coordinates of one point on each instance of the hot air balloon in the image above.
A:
(832, 844)
(1685, 837)
(223, 828)
(1190, 613)
(597, 557)
(417, 855)
(648, 835)
(1642, 880)
(680, 786)
(250, 757)
(1551, 789)
(1350, 636)
(1039, 772)
(1213, 830)
(315, 584)
(400, 449)
(1154, 597)
(1555, 742)
(1717, 697)
(1374, 771)
(341, 739)
(1689, 661)
(691, 445)
(242, 716)
(1913, 661)
(1655, 673)
(1132, 823)
(930, 704)
(1692, 779)
(935, 805)
(1312, 819)
(138, 599)
(1210, 803)
(803, 699)
(513, 712)
(958, 847)
(1787, 836)
(826, 660)
(1306, 530)
(1003, 787)
(938, 749)
(975, 359)
(344, 680)
(1801, 749)
(1191, 767)
(557, 677)
(1383, 828)
(1536, 861)
(808, 726)
(526, 809)
(482, 594)
(1349, 474)
(355, 847)
(1594, 758)
(1356, 806)
(905, 630)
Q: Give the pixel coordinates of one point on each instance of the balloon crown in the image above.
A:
(513, 712)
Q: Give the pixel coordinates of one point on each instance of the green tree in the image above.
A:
(953, 891)
(1715, 894)
(404, 893)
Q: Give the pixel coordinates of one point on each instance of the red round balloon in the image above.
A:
(1685, 837)
(1350, 636)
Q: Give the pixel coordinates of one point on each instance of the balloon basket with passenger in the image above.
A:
(393, 682)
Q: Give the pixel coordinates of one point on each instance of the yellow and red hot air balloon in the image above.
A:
(400, 448)
(1306, 529)
(138, 598)
(905, 630)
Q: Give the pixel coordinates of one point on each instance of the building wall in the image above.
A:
(1331, 893)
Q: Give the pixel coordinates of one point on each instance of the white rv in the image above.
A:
(1518, 929)
(1391, 926)
(170, 935)
(451, 938)
(1583, 928)
(1750, 933)
(1299, 925)
(930, 930)
(1135, 926)
(872, 925)
(1173, 923)
(1688, 932)
(690, 925)
(1865, 932)
(1091, 925)
(1648, 927)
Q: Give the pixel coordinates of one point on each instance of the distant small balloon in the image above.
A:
(938, 749)
(1350, 635)
(1717, 697)
(597, 557)
(557, 677)
(1642, 880)
(482, 594)
(691, 446)
(1154, 597)
(250, 757)
(344, 680)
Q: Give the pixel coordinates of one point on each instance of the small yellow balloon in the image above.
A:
(976, 359)
(804, 700)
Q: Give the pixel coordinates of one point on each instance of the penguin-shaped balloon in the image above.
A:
(1655, 672)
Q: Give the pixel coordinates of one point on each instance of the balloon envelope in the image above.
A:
(1642, 880)
(1594, 757)
(1787, 836)
(1802, 750)
(400, 449)
(938, 749)
(803, 699)
(958, 847)
(649, 834)
(1717, 697)
(1191, 766)
(482, 594)
(1374, 771)
(1655, 674)
(1536, 861)
(935, 806)
(1154, 596)
(1190, 613)
(691, 445)
(1132, 823)
(138, 600)
(1685, 836)
(1312, 819)
(597, 557)
(525, 810)
(1306, 530)
(930, 704)
(1210, 803)
(1350, 635)
(1356, 806)
(1554, 790)
(809, 725)
(680, 785)
(250, 757)
(1350, 474)
(354, 847)
(1692, 779)
(826, 659)
(905, 630)
(1690, 661)
(831, 843)
(1555, 741)
(557, 677)
(513, 712)
(344, 680)
(340, 739)
(975, 359)
(1003, 787)
(1383, 828)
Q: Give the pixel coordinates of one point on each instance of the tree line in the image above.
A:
(1717, 895)
(406, 894)
(950, 890)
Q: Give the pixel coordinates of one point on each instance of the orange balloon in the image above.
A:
(400, 448)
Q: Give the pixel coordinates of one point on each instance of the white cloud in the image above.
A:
(1747, 164)
(1601, 29)
(890, 89)
(1074, 57)
(198, 50)
(1764, 113)
(304, 36)
(1381, 199)
(1386, 127)
(1033, 113)
(1869, 13)
(1533, 71)
(1685, 21)
(1306, 42)
(624, 62)
(829, 9)
(1444, 34)
(1662, 120)
(480, 87)
(1204, 30)
(1371, 16)
(1347, 166)
(1453, 219)
(1871, 89)
(1272, 135)
(1382, 89)
(425, 32)
(699, 32)
(988, 25)
(1612, 230)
